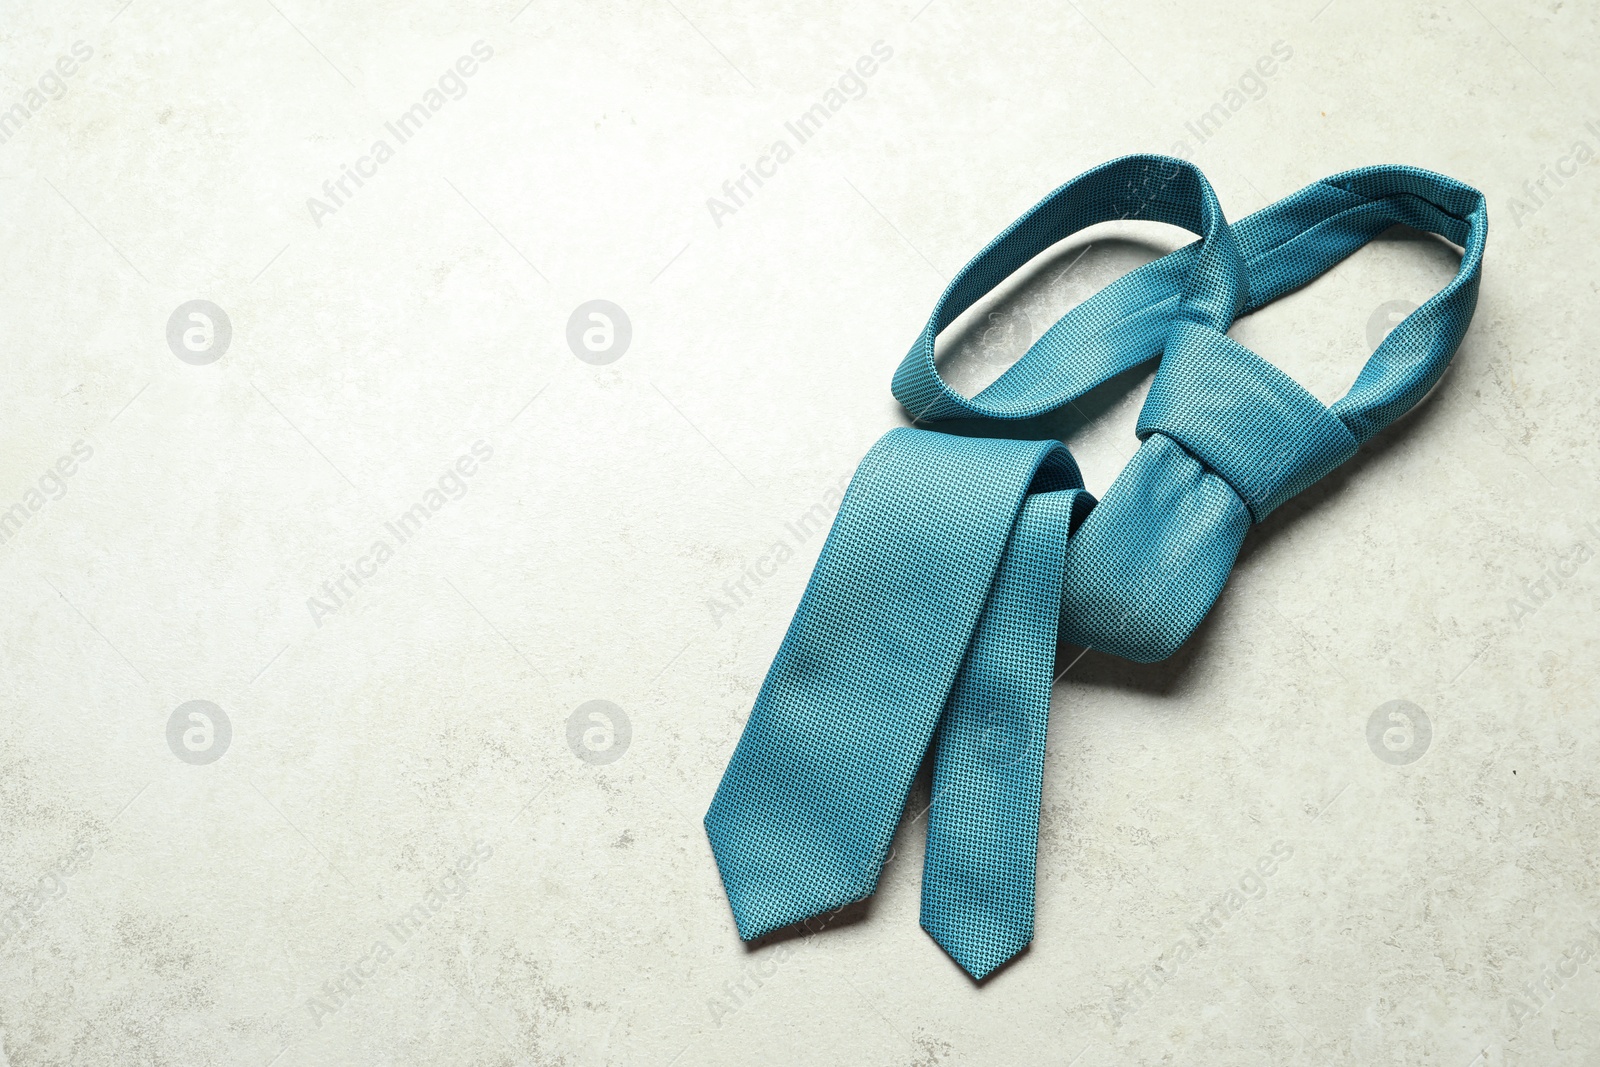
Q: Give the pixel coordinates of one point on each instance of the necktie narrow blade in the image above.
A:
(955, 563)
(983, 820)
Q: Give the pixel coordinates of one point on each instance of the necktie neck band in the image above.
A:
(956, 563)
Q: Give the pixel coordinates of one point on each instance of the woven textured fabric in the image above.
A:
(956, 563)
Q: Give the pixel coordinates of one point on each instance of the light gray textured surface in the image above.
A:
(246, 910)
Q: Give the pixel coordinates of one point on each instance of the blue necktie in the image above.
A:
(956, 563)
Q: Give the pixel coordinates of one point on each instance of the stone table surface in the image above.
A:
(419, 424)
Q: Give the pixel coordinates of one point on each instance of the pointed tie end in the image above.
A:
(978, 951)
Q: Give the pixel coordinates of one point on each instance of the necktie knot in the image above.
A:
(1245, 419)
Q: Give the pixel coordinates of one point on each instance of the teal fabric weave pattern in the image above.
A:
(956, 563)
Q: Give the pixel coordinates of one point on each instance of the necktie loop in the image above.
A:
(1205, 284)
(1416, 353)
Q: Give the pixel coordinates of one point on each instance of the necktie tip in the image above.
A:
(978, 954)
